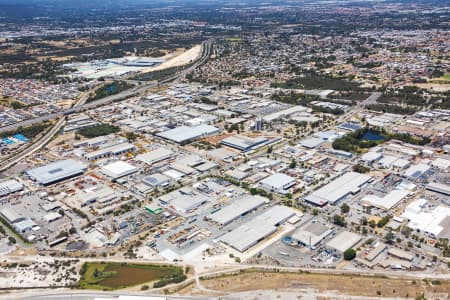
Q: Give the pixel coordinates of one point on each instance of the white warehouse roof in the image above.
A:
(118, 169)
(387, 202)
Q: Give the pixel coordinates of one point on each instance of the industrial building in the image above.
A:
(114, 150)
(278, 183)
(344, 240)
(439, 188)
(433, 222)
(312, 233)
(244, 143)
(56, 171)
(10, 186)
(388, 201)
(183, 200)
(156, 180)
(155, 156)
(185, 134)
(416, 171)
(338, 189)
(11, 215)
(237, 209)
(118, 169)
(251, 233)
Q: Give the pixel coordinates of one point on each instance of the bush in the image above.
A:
(349, 254)
(98, 130)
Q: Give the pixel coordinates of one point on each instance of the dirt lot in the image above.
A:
(341, 284)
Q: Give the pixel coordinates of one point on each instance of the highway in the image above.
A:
(81, 105)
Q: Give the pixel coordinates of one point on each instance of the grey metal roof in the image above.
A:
(185, 133)
(236, 209)
(56, 171)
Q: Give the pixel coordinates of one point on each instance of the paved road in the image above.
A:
(372, 99)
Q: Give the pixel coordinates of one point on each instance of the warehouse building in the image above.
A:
(439, 188)
(155, 156)
(11, 215)
(237, 209)
(278, 183)
(56, 171)
(156, 180)
(338, 189)
(115, 150)
(388, 201)
(254, 231)
(186, 134)
(344, 240)
(183, 200)
(416, 171)
(434, 222)
(10, 186)
(244, 143)
(118, 169)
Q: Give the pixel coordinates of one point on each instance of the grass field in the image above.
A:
(112, 276)
(342, 284)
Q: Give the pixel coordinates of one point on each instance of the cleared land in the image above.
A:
(180, 60)
(341, 284)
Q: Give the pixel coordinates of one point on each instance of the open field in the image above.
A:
(111, 276)
(342, 284)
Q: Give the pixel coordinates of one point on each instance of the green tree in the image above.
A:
(345, 208)
(349, 254)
